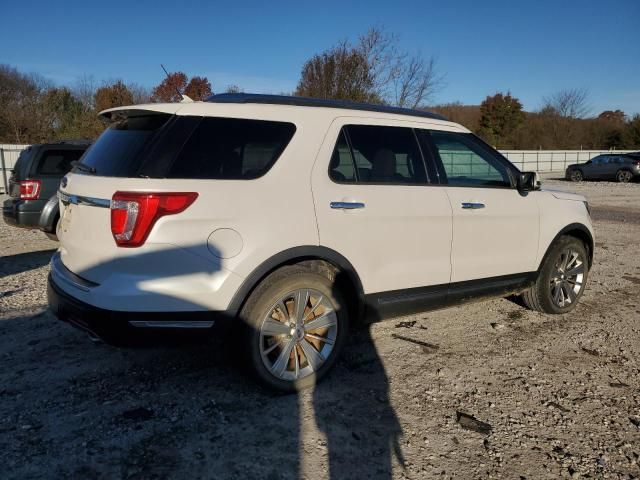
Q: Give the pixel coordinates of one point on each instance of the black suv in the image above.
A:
(622, 167)
(34, 183)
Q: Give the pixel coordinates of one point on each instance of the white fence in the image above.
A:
(8, 156)
(525, 160)
(551, 160)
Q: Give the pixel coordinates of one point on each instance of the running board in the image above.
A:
(170, 324)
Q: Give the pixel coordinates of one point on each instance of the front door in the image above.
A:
(495, 227)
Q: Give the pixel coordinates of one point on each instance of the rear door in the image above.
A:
(600, 167)
(375, 206)
(495, 228)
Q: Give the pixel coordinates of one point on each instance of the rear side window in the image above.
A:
(227, 148)
(119, 151)
(57, 162)
(379, 155)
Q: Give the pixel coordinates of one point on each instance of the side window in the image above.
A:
(467, 162)
(228, 149)
(384, 155)
(341, 168)
(57, 162)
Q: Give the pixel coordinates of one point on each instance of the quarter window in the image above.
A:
(466, 162)
(227, 148)
(377, 155)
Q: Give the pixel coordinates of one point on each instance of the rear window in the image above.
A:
(57, 162)
(231, 149)
(119, 151)
(170, 146)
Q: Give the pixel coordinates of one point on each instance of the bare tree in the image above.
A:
(233, 89)
(375, 70)
(400, 79)
(570, 103)
(84, 90)
(416, 82)
(139, 93)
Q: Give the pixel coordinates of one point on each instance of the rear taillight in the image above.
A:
(637, 162)
(29, 189)
(134, 214)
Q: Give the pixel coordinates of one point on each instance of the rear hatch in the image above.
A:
(122, 206)
(113, 163)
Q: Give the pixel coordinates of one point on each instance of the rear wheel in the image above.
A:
(295, 325)
(561, 280)
(52, 235)
(576, 176)
(624, 176)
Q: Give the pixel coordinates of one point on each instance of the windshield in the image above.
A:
(119, 150)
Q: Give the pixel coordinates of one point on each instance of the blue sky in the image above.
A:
(531, 48)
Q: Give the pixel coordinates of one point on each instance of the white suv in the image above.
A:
(292, 217)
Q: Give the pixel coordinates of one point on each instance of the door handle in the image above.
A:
(472, 205)
(346, 205)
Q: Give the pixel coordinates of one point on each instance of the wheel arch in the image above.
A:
(576, 230)
(294, 256)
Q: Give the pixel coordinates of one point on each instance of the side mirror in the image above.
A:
(528, 182)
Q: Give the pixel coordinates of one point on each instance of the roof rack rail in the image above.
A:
(317, 102)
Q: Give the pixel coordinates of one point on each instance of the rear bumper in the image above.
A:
(124, 328)
(20, 213)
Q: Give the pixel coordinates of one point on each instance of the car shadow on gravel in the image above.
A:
(72, 408)
(182, 408)
(23, 262)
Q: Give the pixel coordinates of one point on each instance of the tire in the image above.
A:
(276, 340)
(576, 176)
(555, 291)
(52, 235)
(624, 176)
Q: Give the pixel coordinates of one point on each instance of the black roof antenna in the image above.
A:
(185, 98)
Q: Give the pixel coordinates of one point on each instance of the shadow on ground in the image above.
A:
(23, 262)
(71, 408)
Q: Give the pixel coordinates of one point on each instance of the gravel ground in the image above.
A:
(552, 396)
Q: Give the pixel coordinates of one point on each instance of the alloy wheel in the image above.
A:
(576, 176)
(568, 278)
(298, 334)
(624, 176)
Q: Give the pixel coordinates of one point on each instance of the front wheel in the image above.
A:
(561, 280)
(624, 176)
(295, 324)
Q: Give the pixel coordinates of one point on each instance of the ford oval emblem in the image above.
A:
(63, 182)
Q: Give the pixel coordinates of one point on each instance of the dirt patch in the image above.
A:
(616, 214)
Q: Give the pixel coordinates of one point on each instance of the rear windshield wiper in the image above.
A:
(81, 166)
